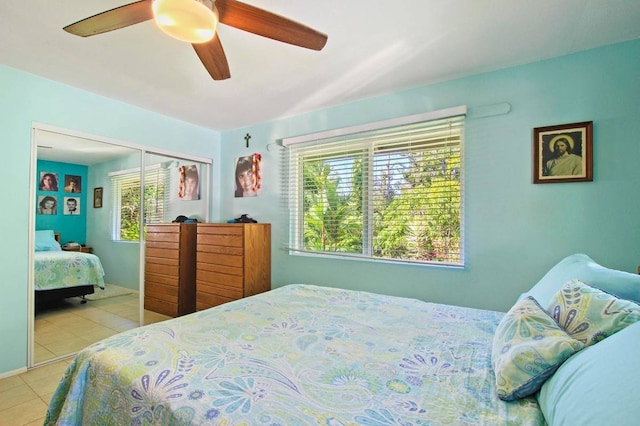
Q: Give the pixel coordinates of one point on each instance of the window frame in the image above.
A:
(294, 191)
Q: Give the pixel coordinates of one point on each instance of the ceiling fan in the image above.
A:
(195, 21)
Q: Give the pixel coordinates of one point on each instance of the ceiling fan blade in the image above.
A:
(113, 19)
(213, 58)
(258, 21)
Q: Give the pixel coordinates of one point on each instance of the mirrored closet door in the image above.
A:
(87, 287)
(93, 196)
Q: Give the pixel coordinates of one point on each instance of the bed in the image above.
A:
(62, 274)
(304, 354)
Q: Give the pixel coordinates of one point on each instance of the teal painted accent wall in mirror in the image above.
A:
(70, 223)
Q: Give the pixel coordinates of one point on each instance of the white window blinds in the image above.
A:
(393, 193)
(125, 190)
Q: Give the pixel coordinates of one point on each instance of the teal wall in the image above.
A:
(120, 259)
(514, 231)
(70, 227)
(27, 99)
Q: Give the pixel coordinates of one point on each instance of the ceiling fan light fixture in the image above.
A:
(191, 21)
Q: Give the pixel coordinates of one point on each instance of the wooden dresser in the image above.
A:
(170, 269)
(233, 261)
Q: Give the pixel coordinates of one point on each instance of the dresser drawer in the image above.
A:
(208, 287)
(220, 259)
(160, 268)
(164, 279)
(236, 281)
(220, 240)
(161, 306)
(220, 229)
(162, 245)
(205, 301)
(206, 248)
(162, 253)
(161, 291)
(163, 228)
(223, 269)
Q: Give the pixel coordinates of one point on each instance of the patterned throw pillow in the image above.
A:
(528, 347)
(589, 314)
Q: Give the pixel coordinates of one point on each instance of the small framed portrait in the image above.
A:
(563, 153)
(47, 204)
(48, 181)
(72, 206)
(72, 183)
(97, 198)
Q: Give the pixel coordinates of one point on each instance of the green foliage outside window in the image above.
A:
(154, 199)
(414, 205)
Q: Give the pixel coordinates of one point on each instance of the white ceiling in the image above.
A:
(374, 47)
(64, 148)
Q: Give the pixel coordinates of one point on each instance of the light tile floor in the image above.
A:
(62, 330)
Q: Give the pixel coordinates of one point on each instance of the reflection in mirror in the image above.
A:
(103, 229)
(86, 287)
(99, 234)
(176, 196)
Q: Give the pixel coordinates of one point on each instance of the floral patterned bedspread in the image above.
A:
(297, 355)
(57, 269)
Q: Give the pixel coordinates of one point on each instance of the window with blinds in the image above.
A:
(391, 193)
(125, 188)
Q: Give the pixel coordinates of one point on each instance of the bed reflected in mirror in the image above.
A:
(69, 317)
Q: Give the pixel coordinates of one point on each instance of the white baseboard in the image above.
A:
(13, 373)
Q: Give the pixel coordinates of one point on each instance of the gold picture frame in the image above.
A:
(97, 198)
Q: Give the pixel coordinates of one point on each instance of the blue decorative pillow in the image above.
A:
(581, 267)
(589, 314)
(528, 347)
(598, 385)
(46, 241)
